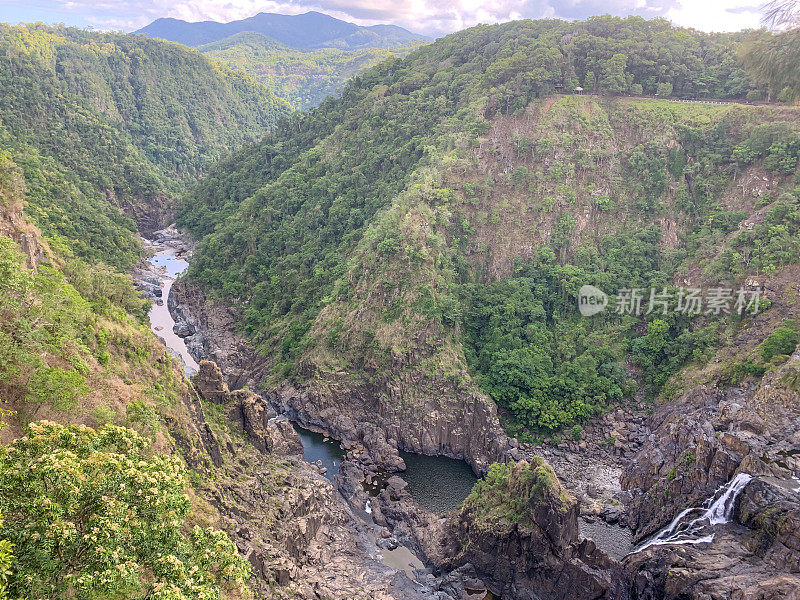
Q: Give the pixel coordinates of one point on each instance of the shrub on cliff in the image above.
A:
(91, 515)
(510, 492)
(782, 341)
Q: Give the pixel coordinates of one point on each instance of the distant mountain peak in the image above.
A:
(295, 31)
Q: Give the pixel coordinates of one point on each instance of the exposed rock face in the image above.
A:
(215, 337)
(249, 412)
(533, 553)
(685, 439)
(198, 443)
(286, 518)
(771, 509)
(460, 426)
(15, 225)
(210, 384)
(725, 569)
(150, 213)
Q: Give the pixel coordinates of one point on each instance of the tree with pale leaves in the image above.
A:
(91, 514)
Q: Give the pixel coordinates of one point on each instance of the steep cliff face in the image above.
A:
(391, 338)
(717, 429)
(519, 532)
(287, 519)
(701, 441)
(215, 335)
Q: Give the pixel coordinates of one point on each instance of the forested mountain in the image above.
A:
(309, 30)
(106, 125)
(406, 260)
(301, 77)
(433, 224)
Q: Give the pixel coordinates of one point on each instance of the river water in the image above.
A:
(169, 266)
(438, 483)
(320, 450)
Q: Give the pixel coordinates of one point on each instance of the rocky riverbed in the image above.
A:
(364, 534)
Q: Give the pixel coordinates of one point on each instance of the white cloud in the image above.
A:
(716, 15)
(424, 16)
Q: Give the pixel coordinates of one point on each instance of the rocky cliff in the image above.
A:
(395, 411)
(287, 519)
(519, 532)
(698, 443)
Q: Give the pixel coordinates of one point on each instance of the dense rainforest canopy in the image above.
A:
(414, 190)
(104, 124)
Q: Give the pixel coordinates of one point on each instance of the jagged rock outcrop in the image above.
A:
(194, 436)
(771, 509)
(287, 519)
(726, 569)
(249, 412)
(519, 534)
(700, 441)
(14, 224)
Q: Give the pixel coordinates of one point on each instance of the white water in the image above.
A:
(690, 526)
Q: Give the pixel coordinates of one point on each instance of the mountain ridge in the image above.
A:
(302, 76)
(308, 30)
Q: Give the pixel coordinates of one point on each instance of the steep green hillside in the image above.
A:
(436, 222)
(107, 125)
(301, 77)
(100, 429)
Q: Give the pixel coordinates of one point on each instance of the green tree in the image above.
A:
(613, 74)
(589, 81)
(664, 90)
(92, 515)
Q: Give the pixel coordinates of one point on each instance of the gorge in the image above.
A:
(338, 354)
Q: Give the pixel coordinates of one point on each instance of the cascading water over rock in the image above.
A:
(691, 526)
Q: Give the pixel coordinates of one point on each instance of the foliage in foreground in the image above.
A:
(91, 514)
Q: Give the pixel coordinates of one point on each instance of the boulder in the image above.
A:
(210, 383)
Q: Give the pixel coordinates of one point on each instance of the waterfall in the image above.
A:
(687, 527)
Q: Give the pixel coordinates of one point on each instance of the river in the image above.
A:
(169, 265)
(439, 484)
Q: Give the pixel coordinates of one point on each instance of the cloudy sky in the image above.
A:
(431, 17)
